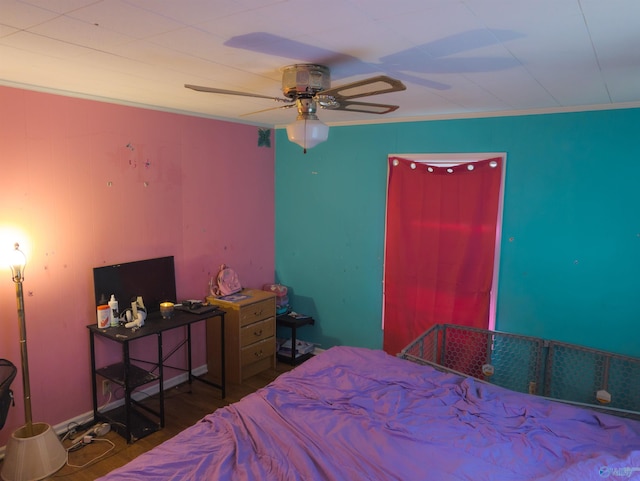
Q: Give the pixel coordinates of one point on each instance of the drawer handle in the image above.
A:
(258, 313)
(257, 333)
(258, 353)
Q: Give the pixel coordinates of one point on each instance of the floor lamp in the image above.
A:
(34, 451)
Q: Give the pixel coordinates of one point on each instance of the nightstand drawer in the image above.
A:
(257, 311)
(257, 331)
(258, 351)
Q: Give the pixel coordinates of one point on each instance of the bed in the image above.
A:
(355, 413)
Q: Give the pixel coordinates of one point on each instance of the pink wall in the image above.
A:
(85, 184)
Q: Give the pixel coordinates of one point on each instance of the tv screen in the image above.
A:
(153, 279)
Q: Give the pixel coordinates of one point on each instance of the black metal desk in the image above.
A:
(293, 323)
(127, 421)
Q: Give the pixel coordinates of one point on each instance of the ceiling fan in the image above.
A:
(308, 87)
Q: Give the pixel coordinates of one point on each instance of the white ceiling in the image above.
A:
(456, 57)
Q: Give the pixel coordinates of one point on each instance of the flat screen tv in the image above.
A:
(153, 279)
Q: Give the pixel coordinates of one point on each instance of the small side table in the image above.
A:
(293, 323)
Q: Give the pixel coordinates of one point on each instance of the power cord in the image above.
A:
(80, 443)
(88, 437)
(97, 430)
(106, 403)
(72, 429)
(83, 443)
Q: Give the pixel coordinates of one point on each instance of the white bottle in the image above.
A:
(113, 311)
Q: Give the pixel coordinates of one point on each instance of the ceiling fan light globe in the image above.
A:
(307, 133)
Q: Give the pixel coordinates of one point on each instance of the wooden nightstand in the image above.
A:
(250, 327)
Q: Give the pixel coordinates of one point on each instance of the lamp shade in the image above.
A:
(33, 457)
(307, 133)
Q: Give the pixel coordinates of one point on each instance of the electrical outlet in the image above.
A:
(106, 387)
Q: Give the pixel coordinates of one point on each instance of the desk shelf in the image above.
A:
(137, 376)
(140, 425)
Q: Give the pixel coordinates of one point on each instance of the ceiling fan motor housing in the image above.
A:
(305, 79)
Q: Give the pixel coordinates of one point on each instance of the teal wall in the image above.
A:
(570, 260)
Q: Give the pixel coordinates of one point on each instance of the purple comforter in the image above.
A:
(352, 413)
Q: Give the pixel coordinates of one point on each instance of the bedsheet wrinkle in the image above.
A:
(354, 413)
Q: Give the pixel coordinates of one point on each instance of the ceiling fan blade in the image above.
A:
(364, 107)
(363, 88)
(234, 92)
(271, 108)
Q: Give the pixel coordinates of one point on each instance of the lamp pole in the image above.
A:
(17, 271)
(34, 451)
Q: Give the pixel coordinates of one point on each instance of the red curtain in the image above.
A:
(440, 246)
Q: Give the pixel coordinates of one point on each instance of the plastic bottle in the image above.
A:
(113, 311)
(103, 316)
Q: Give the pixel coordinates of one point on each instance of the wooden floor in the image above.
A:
(184, 405)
